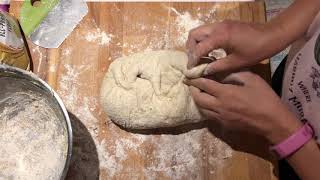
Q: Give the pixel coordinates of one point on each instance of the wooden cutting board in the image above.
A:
(101, 149)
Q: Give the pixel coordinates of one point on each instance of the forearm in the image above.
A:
(291, 24)
(306, 161)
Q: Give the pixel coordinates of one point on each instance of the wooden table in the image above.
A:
(76, 69)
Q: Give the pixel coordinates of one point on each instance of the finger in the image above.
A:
(199, 50)
(209, 44)
(196, 36)
(216, 38)
(228, 63)
(211, 87)
(210, 115)
(204, 100)
(202, 49)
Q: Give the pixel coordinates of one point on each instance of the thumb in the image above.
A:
(229, 63)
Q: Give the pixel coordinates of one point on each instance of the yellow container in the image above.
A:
(13, 50)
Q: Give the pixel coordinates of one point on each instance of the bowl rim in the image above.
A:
(31, 76)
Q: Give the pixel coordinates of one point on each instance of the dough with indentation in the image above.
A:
(146, 90)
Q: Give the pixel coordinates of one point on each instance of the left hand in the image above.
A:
(249, 106)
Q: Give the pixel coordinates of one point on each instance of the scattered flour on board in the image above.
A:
(99, 36)
(185, 22)
(113, 152)
(40, 59)
(173, 156)
(66, 52)
(177, 156)
(108, 157)
(219, 152)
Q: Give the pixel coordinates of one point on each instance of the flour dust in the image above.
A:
(119, 152)
(33, 141)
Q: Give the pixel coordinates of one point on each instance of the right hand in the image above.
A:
(236, 104)
(246, 44)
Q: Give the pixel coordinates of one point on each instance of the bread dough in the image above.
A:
(146, 90)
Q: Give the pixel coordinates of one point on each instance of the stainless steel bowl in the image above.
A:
(12, 77)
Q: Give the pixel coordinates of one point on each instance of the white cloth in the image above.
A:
(301, 83)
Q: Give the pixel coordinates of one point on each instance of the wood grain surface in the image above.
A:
(102, 149)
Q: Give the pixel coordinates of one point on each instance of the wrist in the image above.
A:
(284, 129)
(293, 143)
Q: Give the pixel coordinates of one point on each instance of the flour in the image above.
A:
(37, 50)
(99, 36)
(83, 149)
(218, 152)
(66, 52)
(165, 155)
(33, 143)
(185, 22)
(114, 152)
(110, 151)
(183, 150)
(173, 36)
(39, 60)
(122, 154)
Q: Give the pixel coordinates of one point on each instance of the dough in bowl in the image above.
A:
(146, 90)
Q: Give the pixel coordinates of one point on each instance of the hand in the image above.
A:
(251, 105)
(246, 44)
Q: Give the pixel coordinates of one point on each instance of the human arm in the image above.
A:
(306, 161)
(249, 43)
(251, 105)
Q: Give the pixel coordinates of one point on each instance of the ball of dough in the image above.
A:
(146, 90)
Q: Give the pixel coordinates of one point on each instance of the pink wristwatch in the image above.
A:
(294, 142)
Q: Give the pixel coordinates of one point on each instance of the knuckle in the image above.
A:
(192, 33)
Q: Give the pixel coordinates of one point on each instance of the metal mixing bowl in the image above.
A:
(12, 77)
